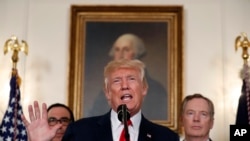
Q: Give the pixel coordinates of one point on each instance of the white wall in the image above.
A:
(211, 65)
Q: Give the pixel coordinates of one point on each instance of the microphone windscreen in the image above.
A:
(123, 111)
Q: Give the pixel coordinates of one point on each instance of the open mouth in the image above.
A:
(126, 97)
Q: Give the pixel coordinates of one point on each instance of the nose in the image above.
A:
(123, 52)
(196, 117)
(124, 85)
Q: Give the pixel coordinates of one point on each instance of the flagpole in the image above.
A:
(14, 108)
(244, 109)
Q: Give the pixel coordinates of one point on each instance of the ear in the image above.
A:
(145, 90)
(107, 94)
(212, 123)
(181, 120)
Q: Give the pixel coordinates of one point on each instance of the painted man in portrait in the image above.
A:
(130, 46)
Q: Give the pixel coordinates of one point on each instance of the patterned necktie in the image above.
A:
(122, 137)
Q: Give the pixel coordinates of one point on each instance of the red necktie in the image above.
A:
(122, 137)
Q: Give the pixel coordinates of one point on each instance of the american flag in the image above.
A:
(12, 128)
(243, 111)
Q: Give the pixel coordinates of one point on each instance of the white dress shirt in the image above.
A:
(207, 140)
(117, 126)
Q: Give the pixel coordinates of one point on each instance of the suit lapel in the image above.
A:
(103, 124)
(145, 133)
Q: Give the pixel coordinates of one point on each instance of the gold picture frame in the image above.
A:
(93, 29)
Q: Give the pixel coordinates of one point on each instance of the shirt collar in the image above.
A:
(207, 139)
(135, 120)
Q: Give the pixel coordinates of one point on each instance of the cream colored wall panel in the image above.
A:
(210, 62)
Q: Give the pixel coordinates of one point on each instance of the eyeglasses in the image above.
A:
(64, 121)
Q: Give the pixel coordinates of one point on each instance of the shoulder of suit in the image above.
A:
(154, 126)
(89, 119)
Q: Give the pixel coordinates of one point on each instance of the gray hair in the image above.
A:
(197, 95)
(137, 42)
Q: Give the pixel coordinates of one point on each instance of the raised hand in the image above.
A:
(38, 128)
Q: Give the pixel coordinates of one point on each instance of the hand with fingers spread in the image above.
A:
(38, 128)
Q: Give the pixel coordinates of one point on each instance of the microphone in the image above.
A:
(124, 116)
(123, 113)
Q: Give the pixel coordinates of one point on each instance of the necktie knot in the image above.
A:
(129, 122)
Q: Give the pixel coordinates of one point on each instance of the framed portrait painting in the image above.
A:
(94, 29)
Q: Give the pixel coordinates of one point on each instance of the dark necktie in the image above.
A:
(122, 137)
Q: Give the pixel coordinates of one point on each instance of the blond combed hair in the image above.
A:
(124, 63)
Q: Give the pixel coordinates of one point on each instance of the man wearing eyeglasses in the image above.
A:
(59, 114)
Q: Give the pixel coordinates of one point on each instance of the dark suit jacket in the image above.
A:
(99, 129)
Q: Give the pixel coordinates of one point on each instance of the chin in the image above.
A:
(57, 139)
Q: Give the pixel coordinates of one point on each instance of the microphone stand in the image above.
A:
(124, 116)
(125, 122)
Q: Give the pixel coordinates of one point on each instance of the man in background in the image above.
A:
(59, 114)
(197, 117)
(51, 125)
